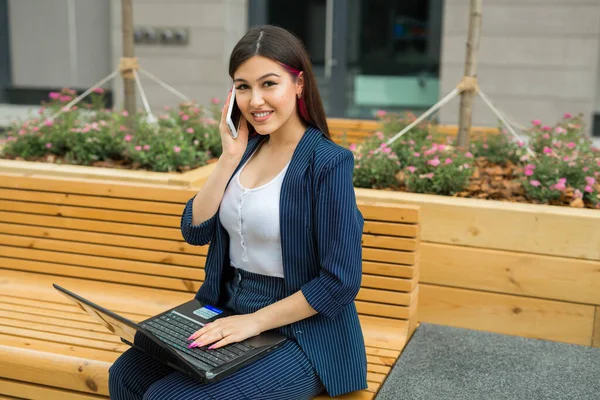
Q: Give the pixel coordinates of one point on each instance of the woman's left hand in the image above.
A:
(225, 331)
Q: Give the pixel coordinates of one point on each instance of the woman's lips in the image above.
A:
(262, 116)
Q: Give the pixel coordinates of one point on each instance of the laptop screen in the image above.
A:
(129, 331)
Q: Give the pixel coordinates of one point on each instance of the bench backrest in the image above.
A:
(129, 233)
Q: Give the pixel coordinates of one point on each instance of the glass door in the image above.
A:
(367, 54)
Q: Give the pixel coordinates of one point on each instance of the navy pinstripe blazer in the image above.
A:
(321, 232)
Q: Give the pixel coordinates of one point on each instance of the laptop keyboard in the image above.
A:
(174, 330)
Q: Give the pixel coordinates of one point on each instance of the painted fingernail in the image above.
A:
(190, 338)
(193, 345)
(211, 347)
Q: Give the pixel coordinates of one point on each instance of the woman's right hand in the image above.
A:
(233, 148)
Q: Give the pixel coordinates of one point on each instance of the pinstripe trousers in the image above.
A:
(285, 373)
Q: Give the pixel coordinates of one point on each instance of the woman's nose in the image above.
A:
(257, 99)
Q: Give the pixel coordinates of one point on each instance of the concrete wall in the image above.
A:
(538, 58)
(200, 69)
(57, 43)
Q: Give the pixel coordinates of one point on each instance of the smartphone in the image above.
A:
(233, 115)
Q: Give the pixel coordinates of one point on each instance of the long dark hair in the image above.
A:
(285, 48)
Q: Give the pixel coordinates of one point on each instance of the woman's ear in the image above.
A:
(300, 84)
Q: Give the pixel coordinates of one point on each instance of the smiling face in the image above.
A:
(266, 94)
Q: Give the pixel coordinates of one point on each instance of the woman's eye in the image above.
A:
(269, 83)
(242, 87)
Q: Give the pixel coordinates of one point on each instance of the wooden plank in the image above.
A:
(82, 326)
(387, 269)
(90, 213)
(395, 257)
(360, 395)
(384, 333)
(93, 226)
(64, 339)
(67, 199)
(507, 314)
(380, 361)
(73, 235)
(388, 212)
(596, 334)
(388, 242)
(382, 353)
(39, 327)
(106, 275)
(385, 296)
(524, 274)
(521, 227)
(391, 229)
(383, 310)
(38, 392)
(388, 283)
(95, 255)
(96, 187)
(144, 300)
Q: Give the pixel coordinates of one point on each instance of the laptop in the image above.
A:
(164, 337)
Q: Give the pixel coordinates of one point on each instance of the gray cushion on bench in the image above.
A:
(442, 362)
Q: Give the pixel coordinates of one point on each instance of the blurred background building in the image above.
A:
(538, 58)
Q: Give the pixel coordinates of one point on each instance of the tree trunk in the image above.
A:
(128, 81)
(466, 97)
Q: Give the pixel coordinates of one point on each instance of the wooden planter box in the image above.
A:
(519, 269)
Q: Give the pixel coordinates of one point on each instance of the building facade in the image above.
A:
(537, 59)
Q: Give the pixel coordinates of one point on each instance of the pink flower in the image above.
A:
(166, 108)
(571, 145)
(35, 129)
(560, 130)
(546, 136)
(530, 166)
(547, 150)
(567, 116)
(190, 130)
(48, 122)
(485, 146)
(528, 172)
(176, 149)
(411, 142)
(466, 165)
(387, 150)
(381, 113)
(534, 183)
(64, 99)
(352, 147)
(54, 95)
(22, 132)
(577, 194)
(419, 155)
(98, 90)
(562, 180)
(448, 161)
(557, 144)
(146, 147)
(122, 128)
(468, 154)
(565, 158)
(560, 186)
(520, 143)
(215, 100)
(585, 169)
(429, 175)
(536, 122)
(589, 189)
(125, 113)
(138, 148)
(411, 169)
(48, 145)
(546, 128)
(435, 162)
(590, 180)
(383, 146)
(128, 138)
(379, 135)
(185, 117)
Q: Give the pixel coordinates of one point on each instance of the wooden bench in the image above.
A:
(346, 131)
(120, 245)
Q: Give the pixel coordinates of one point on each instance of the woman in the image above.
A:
(285, 235)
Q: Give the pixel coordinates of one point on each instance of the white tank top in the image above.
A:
(251, 217)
